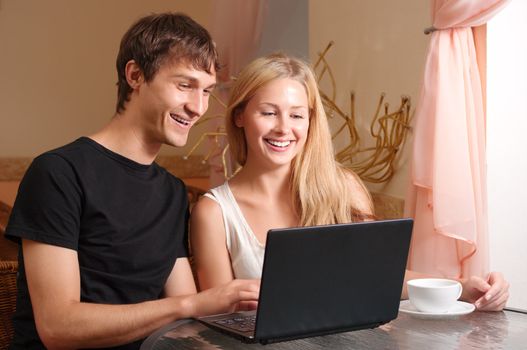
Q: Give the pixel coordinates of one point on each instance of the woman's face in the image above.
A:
(276, 123)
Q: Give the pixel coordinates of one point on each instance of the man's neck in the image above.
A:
(121, 136)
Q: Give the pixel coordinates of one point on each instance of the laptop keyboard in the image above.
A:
(239, 323)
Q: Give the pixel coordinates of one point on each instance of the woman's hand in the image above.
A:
(487, 295)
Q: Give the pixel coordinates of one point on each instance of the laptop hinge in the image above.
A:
(319, 333)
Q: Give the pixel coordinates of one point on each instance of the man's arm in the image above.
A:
(64, 322)
(227, 297)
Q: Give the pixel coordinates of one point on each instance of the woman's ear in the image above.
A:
(134, 74)
(238, 118)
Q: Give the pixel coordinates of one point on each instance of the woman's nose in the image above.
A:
(282, 123)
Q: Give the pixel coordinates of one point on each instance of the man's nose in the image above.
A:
(197, 103)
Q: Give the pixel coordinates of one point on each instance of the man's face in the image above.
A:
(172, 102)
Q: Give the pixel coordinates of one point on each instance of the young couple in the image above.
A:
(103, 229)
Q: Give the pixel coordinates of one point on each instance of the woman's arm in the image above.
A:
(488, 295)
(208, 245)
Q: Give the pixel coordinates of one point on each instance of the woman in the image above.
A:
(278, 132)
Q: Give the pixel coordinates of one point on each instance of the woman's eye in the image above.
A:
(268, 113)
(297, 116)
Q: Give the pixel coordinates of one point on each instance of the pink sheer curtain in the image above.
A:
(237, 30)
(447, 195)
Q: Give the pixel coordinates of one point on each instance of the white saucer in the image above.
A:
(460, 308)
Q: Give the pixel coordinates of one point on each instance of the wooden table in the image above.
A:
(478, 330)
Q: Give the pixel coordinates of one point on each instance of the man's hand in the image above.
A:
(232, 296)
(488, 295)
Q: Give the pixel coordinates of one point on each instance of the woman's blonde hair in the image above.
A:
(321, 188)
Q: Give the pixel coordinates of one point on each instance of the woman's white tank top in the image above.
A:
(246, 252)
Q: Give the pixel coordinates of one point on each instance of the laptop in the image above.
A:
(320, 280)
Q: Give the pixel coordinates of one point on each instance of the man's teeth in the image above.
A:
(279, 143)
(179, 120)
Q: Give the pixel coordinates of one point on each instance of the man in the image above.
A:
(103, 229)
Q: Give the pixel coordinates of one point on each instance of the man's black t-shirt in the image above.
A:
(127, 221)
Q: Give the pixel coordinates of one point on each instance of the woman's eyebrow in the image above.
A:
(276, 106)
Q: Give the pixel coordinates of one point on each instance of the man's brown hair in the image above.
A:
(154, 39)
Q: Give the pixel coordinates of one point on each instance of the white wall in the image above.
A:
(379, 47)
(57, 66)
(57, 60)
(507, 145)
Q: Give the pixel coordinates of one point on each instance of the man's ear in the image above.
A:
(134, 74)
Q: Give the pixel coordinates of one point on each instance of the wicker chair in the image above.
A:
(8, 271)
(8, 249)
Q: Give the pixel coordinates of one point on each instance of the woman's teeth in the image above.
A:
(279, 143)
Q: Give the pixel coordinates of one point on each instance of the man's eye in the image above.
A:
(268, 113)
(184, 86)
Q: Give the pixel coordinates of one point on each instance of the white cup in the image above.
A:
(433, 295)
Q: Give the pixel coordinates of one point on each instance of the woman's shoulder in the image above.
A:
(205, 219)
(205, 207)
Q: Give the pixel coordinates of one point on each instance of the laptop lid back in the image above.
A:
(326, 279)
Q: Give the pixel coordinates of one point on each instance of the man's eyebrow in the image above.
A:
(192, 80)
(184, 76)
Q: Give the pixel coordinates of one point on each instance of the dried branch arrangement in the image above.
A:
(375, 163)
(217, 145)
